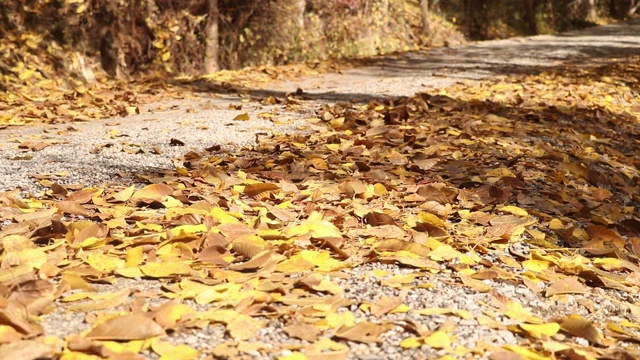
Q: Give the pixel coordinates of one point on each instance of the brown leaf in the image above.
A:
(425, 164)
(378, 219)
(153, 192)
(124, 195)
(602, 240)
(126, 328)
(364, 332)
(72, 208)
(257, 189)
(280, 214)
(26, 350)
(476, 285)
(18, 319)
(80, 344)
(385, 305)
(93, 230)
(577, 326)
(302, 331)
(256, 262)
(82, 196)
(176, 142)
(568, 285)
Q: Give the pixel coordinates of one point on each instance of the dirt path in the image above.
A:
(407, 74)
(115, 150)
(92, 152)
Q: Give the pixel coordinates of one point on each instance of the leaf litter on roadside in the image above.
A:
(437, 180)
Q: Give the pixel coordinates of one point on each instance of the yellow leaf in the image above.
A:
(160, 270)
(438, 340)
(183, 231)
(242, 117)
(610, 264)
(444, 253)
(379, 189)
(294, 264)
(401, 309)
(500, 172)
(537, 331)
(134, 256)
(379, 272)
(556, 224)
(411, 343)
(294, 356)
(515, 210)
(243, 327)
(630, 324)
(516, 311)
(335, 320)
(167, 351)
(35, 258)
(477, 285)
(104, 263)
(93, 242)
(26, 74)
(76, 282)
(222, 216)
(170, 313)
(316, 226)
(429, 218)
(321, 259)
(171, 202)
(130, 272)
(535, 265)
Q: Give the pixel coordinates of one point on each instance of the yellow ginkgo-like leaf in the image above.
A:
(540, 330)
(411, 343)
(438, 340)
(165, 269)
(536, 265)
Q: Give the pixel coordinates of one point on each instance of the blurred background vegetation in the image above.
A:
(85, 39)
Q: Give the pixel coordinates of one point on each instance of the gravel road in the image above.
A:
(115, 150)
(127, 144)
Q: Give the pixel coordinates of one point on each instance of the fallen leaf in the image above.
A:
(126, 328)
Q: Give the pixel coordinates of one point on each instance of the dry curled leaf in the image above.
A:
(126, 328)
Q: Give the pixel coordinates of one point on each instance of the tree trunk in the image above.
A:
(476, 16)
(301, 6)
(530, 14)
(212, 39)
(633, 8)
(424, 10)
(613, 11)
(592, 14)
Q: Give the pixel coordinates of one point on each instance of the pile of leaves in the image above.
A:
(432, 181)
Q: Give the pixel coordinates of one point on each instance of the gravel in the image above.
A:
(205, 121)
